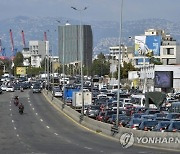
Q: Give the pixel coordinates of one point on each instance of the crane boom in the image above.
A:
(45, 36)
(23, 39)
(12, 42)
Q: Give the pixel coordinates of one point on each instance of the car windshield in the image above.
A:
(150, 123)
(176, 125)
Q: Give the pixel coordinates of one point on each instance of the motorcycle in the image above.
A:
(21, 108)
(16, 100)
(21, 111)
(22, 89)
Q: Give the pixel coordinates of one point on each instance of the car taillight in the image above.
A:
(145, 128)
(132, 126)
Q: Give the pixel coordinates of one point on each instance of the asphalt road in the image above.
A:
(43, 129)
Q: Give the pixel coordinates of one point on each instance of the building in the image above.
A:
(158, 44)
(35, 53)
(72, 39)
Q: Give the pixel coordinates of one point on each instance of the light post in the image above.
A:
(63, 61)
(119, 64)
(81, 52)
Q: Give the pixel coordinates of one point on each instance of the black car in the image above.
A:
(36, 88)
(0, 90)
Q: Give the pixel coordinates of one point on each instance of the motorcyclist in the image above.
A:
(16, 100)
(21, 107)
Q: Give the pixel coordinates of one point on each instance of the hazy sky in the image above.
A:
(97, 9)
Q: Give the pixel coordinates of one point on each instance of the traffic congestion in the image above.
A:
(100, 102)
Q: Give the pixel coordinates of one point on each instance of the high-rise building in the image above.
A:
(72, 39)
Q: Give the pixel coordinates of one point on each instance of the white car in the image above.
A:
(10, 88)
(57, 92)
(3, 87)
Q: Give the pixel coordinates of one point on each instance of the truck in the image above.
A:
(77, 99)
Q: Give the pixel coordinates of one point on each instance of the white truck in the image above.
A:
(77, 99)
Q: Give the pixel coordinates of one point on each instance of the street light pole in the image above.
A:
(63, 61)
(119, 64)
(81, 51)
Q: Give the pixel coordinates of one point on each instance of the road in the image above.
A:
(43, 129)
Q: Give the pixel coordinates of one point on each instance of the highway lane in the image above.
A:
(42, 129)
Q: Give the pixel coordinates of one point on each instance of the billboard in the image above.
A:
(21, 70)
(140, 47)
(154, 43)
(147, 44)
(163, 79)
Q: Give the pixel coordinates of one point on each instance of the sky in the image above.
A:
(106, 10)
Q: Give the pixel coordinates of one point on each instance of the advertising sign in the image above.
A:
(153, 43)
(140, 47)
(163, 79)
(21, 70)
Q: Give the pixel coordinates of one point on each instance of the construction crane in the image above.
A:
(12, 42)
(45, 36)
(23, 39)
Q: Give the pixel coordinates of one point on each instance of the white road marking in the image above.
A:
(17, 135)
(10, 109)
(41, 120)
(33, 108)
(56, 134)
(11, 114)
(88, 148)
(30, 104)
(47, 127)
(36, 113)
(12, 121)
(28, 98)
(15, 128)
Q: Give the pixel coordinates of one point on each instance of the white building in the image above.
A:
(38, 51)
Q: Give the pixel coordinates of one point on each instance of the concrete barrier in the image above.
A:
(164, 140)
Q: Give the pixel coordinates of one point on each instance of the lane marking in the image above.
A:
(15, 128)
(36, 113)
(41, 120)
(12, 121)
(88, 148)
(47, 127)
(56, 134)
(10, 109)
(101, 134)
(17, 135)
(33, 108)
(30, 104)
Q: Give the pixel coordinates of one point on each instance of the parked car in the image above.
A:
(0, 90)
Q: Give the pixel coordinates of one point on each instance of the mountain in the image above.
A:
(105, 33)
